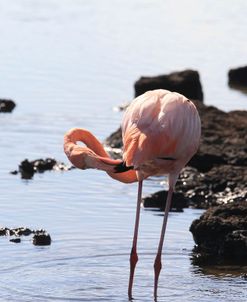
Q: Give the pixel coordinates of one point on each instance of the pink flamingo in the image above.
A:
(161, 132)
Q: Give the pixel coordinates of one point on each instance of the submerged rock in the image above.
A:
(186, 82)
(28, 168)
(221, 235)
(6, 105)
(15, 240)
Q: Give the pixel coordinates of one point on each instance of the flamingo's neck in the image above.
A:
(85, 136)
(93, 155)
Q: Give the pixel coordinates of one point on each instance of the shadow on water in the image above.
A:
(203, 265)
(221, 271)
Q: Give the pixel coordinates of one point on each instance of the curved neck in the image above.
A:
(102, 160)
(86, 137)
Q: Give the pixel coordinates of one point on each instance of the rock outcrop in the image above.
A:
(221, 235)
(186, 82)
(238, 77)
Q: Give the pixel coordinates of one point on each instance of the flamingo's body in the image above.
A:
(161, 132)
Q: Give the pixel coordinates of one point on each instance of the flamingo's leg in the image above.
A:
(133, 254)
(157, 262)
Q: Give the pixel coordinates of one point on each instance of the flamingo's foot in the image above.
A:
(133, 261)
(157, 269)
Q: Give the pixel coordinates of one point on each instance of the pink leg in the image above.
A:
(133, 254)
(157, 262)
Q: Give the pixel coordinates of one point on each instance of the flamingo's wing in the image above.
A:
(160, 124)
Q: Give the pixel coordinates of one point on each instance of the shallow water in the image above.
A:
(68, 64)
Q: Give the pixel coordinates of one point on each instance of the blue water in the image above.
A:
(67, 64)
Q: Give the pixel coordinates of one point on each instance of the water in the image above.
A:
(66, 64)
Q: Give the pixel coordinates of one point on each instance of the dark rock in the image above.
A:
(115, 139)
(15, 172)
(244, 276)
(186, 82)
(235, 244)
(205, 162)
(28, 168)
(221, 235)
(221, 159)
(237, 77)
(6, 105)
(122, 107)
(222, 184)
(219, 186)
(10, 232)
(41, 238)
(3, 231)
(158, 200)
(41, 165)
(15, 240)
(223, 139)
(23, 231)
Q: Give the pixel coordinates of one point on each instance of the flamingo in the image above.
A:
(161, 132)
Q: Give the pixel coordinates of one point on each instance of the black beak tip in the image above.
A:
(120, 168)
